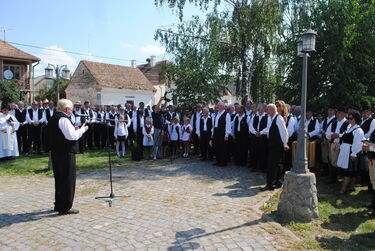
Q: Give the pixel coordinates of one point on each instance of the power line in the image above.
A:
(72, 52)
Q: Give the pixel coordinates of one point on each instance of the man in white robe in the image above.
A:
(8, 140)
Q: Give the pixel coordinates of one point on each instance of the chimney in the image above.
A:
(153, 61)
(133, 63)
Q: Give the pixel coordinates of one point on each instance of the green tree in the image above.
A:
(9, 91)
(243, 37)
(50, 93)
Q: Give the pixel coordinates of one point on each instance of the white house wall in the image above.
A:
(113, 96)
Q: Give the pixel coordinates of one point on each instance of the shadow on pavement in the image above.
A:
(184, 238)
(10, 219)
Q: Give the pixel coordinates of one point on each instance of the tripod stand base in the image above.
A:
(110, 198)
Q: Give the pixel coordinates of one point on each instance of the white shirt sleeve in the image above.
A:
(316, 130)
(44, 117)
(129, 122)
(282, 129)
(198, 130)
(228, 127)
(250, 123)
(357, 142)
(329, 131)
(291, 126)
(372, 127)
(135, 123)
(28, 119)
(70, 133)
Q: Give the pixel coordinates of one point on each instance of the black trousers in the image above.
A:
(205, 145)
(231, 148)
(22, 139)
(64, 172)
(139, 138)
(259, 149)
(196, 143)
(288, 158)
(274, 160)
(100, 135)
(45, 138)
(34, 137)
(240, 150)
(130, 139)
(111, 136)
(221, 150)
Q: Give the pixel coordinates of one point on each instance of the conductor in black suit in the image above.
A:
(63, 148)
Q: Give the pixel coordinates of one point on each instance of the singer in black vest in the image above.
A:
(194, 120)
(277, 144)
(20, 115)
(48, 113)
(370, 152)
(63, 143)
(78, 122)
(88, 137)
(138, 125)
(34, 118)
(129, 111)
(367, 125)
(111, 126)
(100, 128)
(221, 132)
(258, 140)
(204, 132)
(241, 136)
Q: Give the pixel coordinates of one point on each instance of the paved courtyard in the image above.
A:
(184, 205)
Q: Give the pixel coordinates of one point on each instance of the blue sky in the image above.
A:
(112, 28)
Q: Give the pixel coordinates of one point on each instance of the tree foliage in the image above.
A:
(50, 93)
(255, 42)
(9, 91)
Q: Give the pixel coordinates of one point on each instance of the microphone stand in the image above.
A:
(111, 195)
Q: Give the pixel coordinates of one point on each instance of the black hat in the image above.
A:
(341, 109)
(365, 108)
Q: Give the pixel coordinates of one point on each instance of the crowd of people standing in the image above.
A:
(258, 136)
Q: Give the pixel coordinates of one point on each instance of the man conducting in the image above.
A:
(63, 149)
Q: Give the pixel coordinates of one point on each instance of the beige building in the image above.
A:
(108, 84)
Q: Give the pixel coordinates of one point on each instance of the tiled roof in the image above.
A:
(9, 51)
(118, 76)
(152, 73)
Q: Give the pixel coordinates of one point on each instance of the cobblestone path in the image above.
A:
(185, 205)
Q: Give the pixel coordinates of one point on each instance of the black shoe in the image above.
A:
(371, 235)
(267, 188)
(253, 170)
(216, 164)
(222, 164)
(371, 213)
(278, 184)
(371, 205)
(203, 159)
(71, 211)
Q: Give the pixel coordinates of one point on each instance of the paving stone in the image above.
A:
(184, 205)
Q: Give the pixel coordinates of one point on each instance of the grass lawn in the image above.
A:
(38, 164)
(343, 221)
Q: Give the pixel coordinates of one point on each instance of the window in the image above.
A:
(15, 69)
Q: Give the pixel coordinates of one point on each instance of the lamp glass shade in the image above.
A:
(65, 73)
(299, 48)
(49, 72)
(308, 41)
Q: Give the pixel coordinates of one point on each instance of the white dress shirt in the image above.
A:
(372, 127)
(198, 117)
(35, 117)
(227, 122)
(70, 133)
(280, 123)
(198, 132)
(316, 130)
(291, 125)
(135, 122)
(253, 130)
(329, 131)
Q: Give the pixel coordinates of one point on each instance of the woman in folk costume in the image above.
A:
(350, 156)
(8, 130)
(121, 133)
(148, 139)
(174, 131)
(186, 134)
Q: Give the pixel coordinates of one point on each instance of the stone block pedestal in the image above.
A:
(298, 200)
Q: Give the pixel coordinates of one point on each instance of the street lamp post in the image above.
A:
(304, 47)
(298, 199)
(63, 70)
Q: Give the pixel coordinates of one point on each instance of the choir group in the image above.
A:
(259, 136)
